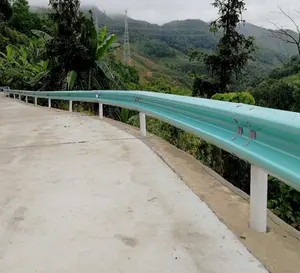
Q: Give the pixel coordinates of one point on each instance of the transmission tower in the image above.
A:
(126, 47)
(96, 21)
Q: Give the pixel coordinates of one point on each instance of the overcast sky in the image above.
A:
(259, 12)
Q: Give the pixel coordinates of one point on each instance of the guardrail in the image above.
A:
(268, 139)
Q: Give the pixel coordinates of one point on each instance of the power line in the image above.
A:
(163, 32)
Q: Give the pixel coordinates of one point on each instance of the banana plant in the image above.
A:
(71, 79)
(17, 68)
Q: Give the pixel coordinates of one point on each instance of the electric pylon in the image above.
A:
(126, 46)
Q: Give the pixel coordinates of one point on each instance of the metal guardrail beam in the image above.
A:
(268, 139)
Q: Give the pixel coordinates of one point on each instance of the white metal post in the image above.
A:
(70, 106)
(143, 130)
(49, 103)
(258, 199)
(35, 101)
(19, 96)
(14, 96)
(26, 99)
(100, 110)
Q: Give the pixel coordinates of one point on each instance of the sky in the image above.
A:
(259, 12)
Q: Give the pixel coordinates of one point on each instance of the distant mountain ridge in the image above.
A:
(188, 27)
(167, 46)
(163, 49)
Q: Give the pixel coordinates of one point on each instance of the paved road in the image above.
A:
(79, 195)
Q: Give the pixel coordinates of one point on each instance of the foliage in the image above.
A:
(284, 201)
(233, 50)
(241, 97)
(20, 68)
(205, 87)
(77, 56)
(5, 10)
(156, 49)
(159, 84)
(277, 94)
(21, 19)
(24, 21)
(77, 49)
(12, 37)
(289, 68)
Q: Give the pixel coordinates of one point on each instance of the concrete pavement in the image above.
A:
(79, 195)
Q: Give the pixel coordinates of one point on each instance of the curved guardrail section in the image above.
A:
(264, 137)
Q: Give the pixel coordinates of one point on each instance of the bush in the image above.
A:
(242, 97)
(277, 94)
(284, 201)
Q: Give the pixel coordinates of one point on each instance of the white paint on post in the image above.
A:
(143, 130)
(26, 99)
(35, 101)
(49, 103)
(100, 110)
(20, 97)
(70, 106)
(14, 96)
(258, 199)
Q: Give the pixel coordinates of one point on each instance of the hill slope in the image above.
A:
(167, 47)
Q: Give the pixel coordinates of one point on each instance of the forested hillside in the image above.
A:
(61, 48)
(162, 51)
(169, 45)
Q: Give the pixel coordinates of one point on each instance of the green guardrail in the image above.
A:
(266, 138)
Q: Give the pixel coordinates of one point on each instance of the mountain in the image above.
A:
(97, 14)
(169, 45)
(264, 39)
(163, 50)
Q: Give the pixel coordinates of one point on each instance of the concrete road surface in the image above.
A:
(79, 195)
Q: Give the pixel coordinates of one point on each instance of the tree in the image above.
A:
(80, 57)
(233, 50)
(66, 14)
(20, 19)
(204, 87)
(65, 50)
(287, 35)
(278, 94)
(24, 21)
(5, 10)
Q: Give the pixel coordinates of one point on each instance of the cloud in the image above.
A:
(259, 12)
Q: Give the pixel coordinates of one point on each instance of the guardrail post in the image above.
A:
(70, 106)
(258, 199)
(143, 130)
(20, 97)
(35, 101)
(26, 99)
(49, 103)
(100, 110)
(14, 96)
